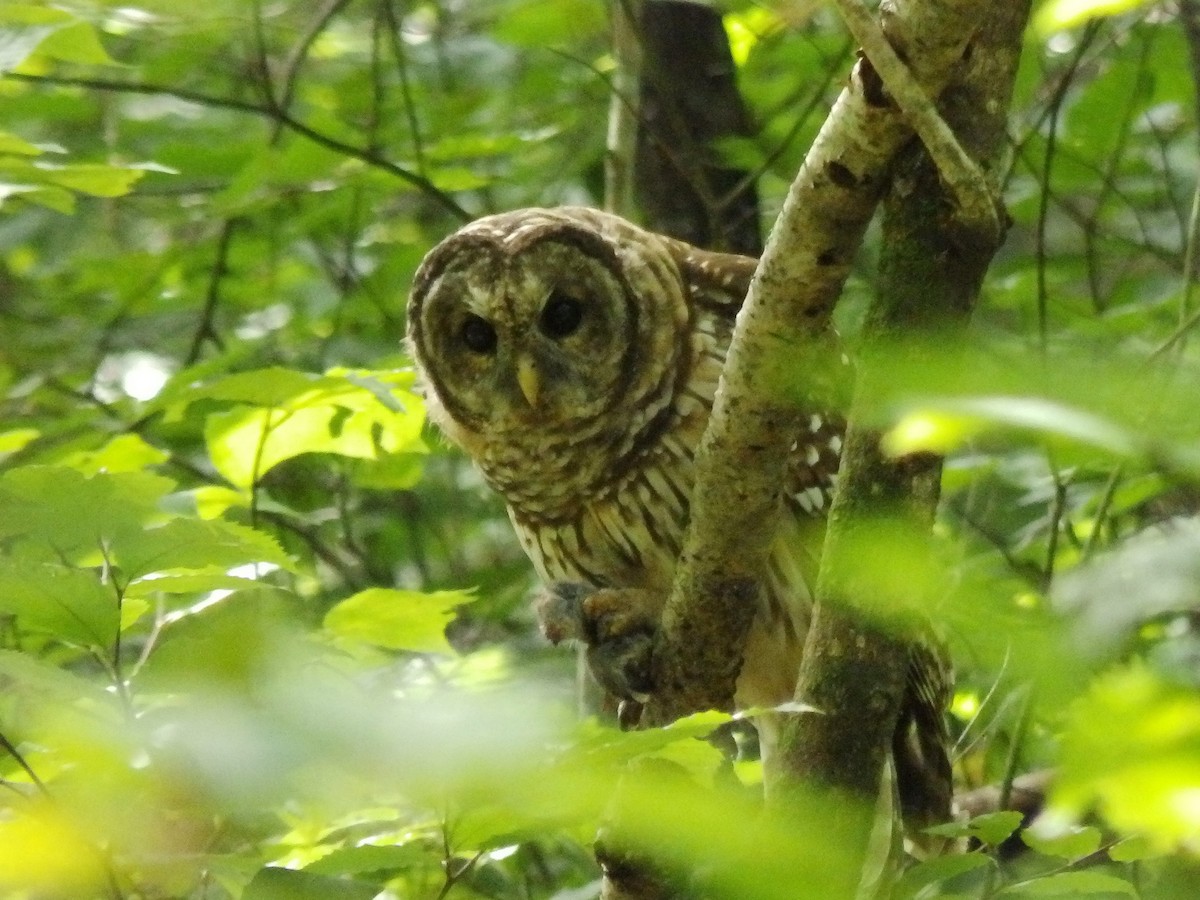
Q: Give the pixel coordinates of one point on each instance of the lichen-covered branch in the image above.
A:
(855, 661)
(805, 263)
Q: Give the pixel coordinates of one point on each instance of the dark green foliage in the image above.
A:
(263, 635)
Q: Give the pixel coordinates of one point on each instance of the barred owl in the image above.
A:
(574, 357)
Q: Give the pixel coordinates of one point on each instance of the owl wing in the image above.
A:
(718, 284)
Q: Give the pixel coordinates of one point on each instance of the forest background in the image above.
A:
(264, 635)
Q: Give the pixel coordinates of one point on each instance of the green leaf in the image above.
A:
(370, 858)
(274, 387)
(348, 414)
(95, 179)
(57, 510)
(1133, 849)
(16, 438)
(938, 869)
(124, 453)
(246, 443)
(54, 198)
(26, 29)
(1059, 14)
(1131, 747)
(70, 604)
(941, 426)
(274, 883)
(49, 684)
(1071, 884)
(990, 828)
(196, 544)
(10, 143)
(606, 748)
(1072, 842)
(397, 619)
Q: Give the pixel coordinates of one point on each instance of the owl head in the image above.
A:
(545, 320)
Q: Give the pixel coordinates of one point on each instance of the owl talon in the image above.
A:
(616, 625)
(622, 665)
(560, 612)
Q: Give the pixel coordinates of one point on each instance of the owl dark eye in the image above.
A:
(478, 334)
(561, 316)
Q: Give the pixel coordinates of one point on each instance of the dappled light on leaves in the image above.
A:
(264, 636)
(1131, 750)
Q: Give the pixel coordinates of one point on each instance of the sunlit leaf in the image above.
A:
(95, 179)
(45, 853)
(124, 453)
(941, 426)
(1132, 748)
(397, 619)
(1058, 14)
(16, 438)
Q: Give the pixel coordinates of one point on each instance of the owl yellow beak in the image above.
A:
(527, 379)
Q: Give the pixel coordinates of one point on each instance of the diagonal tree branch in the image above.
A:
(740, 462)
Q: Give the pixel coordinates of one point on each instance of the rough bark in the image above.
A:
(689, 101)
(735, 504)
(931, 268)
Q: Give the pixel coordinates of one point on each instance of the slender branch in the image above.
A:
(621, 143)
(8, 747)
(977, 202)
(410, 107)
(1056, 104)
(363, 155)
(299, 53)
(1102, 512)
(1187, 317)
(205, 330)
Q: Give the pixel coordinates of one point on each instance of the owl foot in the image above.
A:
(617, 625)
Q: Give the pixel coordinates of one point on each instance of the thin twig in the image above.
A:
(299, 53)
(410, 107)
(1056, 515)
(977, 202)
(621, 143)
(1106, 499)
(205, 330)
(1056, 103)
(1187, 318)
(8, 747)
(363, 155)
